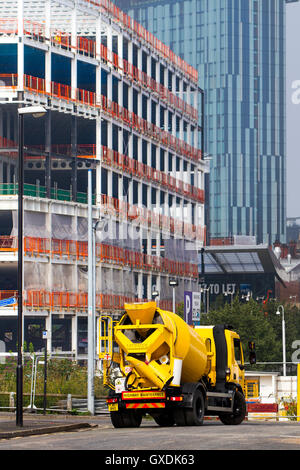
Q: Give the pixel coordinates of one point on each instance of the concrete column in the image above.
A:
(120, 140)
(120, 50)
(120, 187)
(140, 286)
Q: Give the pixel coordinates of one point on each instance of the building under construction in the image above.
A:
(122, 105)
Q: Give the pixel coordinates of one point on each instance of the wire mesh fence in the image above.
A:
(65, 378)
(65, 390)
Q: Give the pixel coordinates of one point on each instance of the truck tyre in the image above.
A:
(193, 416)
(239, 411)
(164, 419)
(126, 419)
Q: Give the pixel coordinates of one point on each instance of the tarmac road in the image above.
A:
(213, 435)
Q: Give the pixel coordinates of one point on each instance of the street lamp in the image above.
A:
(155, 295)
(283, 338)
(35, 111)
(227, 293)
(173, 283)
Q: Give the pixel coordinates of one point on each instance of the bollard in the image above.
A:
(12, 400)
(69, 402)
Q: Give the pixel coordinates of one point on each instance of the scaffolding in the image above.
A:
(118, 102)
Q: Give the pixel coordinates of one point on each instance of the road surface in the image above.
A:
(213, 435)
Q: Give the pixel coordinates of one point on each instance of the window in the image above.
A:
(237, 350)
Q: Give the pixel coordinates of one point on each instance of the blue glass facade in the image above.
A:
(238, 48)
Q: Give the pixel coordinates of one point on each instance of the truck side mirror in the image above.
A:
(252, 353)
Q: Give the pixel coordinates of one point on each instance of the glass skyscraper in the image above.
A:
(238, 48)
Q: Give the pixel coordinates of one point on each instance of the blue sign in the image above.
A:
(8, 302)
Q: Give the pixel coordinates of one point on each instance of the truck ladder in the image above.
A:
(107, 352)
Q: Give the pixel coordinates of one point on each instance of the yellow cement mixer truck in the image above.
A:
(171, 371)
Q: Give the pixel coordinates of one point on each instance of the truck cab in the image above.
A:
(226, 358)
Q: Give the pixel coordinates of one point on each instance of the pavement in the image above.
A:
(34, 424)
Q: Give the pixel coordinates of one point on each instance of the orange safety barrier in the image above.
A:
(9, 80)
(35, 84)
(36, 246)
(7, 143)
(72, 300)
(37, 299)
(8, 243)
(8, 26)
(125, 163)
(109, 254)
(34, 30)
(6, 294)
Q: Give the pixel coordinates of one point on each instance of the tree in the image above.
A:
(249, 320)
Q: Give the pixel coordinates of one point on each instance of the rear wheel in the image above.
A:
(164, 419)
(193, 416)
(126, 419)
(239, 411)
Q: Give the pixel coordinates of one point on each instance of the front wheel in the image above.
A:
(239, 411)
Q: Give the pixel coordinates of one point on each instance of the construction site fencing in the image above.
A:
(66, 389)
(66, 383)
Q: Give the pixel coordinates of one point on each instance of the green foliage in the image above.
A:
(180, 310)
(64, 376)
(258, 323)
(290, 407)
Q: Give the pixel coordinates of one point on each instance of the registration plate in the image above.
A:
(113, 407)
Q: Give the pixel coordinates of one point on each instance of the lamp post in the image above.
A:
(173, 283)
(35, 111)
(92, 232)
(280, 307)
(202, 291)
